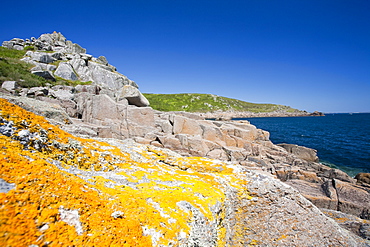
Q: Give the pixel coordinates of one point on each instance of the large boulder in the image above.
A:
(74, 48)
(9, 85)
(41, 57)
(45, 74)
(100, 74)
(336, 195)
(301, 152)
(140, 121)
(8, 44)
(133, 95)
(65, 70)
(353, 199)
(183, 125)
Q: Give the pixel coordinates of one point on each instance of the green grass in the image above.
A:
(62, 81)
(10, 53)
(12, 69)
(192, 102)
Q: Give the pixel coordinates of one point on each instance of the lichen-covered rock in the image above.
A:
(69, 191)
(48, 110)
(350, 222)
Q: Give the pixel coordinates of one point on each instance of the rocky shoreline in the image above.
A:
(236, 115)
(119, 113)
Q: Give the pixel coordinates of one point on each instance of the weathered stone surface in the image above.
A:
(41, 57)
(51, 111)
(8, 44)
(183, 125)
(133, 95)
(91, 89)
(69, 106)
(363, 178)
(5, 187)
(57, 55)
(62, 94)
(101, 75)
(170, 142)
(81, 66)
(143, 116)
(45, 74)
(218, 154)
(234, 153)
(37, 91)
(291, 172)
(315, 193)
(196, 146)
(353, 199)
(102, 60)
(165, 126)
(9, 85)
(46, 38)
(18, 47)
(261, 209)
(140, 121)
(65, 70)
(211, 132)
(102, 107)
(350, 222)
(304, 153)
(337, 174)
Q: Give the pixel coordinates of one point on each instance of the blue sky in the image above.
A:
(311, 55)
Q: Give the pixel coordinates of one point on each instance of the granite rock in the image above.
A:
(65, 70)
(9, 85)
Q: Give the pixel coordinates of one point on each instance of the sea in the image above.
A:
(342, 140)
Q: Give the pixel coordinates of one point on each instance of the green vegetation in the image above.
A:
(13, 69)
(192, 102)
(62, 81)
(30, 48)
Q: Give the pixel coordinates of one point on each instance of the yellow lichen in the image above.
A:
(29, 213)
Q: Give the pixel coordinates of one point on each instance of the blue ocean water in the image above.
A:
(342, 140)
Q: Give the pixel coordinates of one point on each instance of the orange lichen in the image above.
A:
(149, 198)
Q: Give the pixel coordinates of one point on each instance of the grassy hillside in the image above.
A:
(13, 69)
(192, 102)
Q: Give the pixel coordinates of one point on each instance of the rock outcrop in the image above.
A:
(229, 115)
(55, 56)
(58, 189)
(97, 114)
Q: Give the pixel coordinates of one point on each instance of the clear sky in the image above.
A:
(308, 54)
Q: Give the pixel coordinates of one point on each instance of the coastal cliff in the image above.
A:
(57, 189)
(105, 162)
